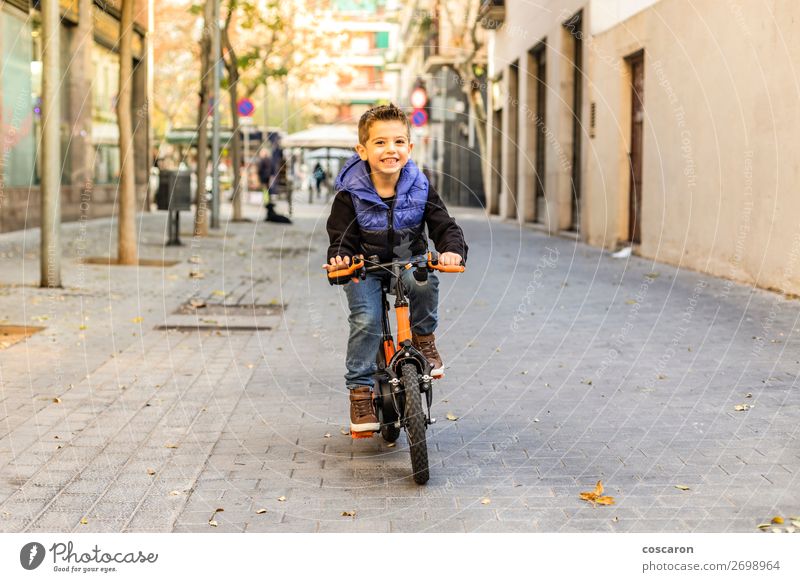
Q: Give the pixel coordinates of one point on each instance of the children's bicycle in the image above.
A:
(404, 374)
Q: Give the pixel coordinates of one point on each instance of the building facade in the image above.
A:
(446, 145)
(89, 134)
(651, 124)
(363, 33)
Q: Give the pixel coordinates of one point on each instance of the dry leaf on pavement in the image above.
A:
(282, 498)
(260, 511)
(596, 496)
(213, 522)
(84, 521)
(451, 416)
(682, 487)
(139, 319)
(777, 519)
(485, 501)
(348, 514)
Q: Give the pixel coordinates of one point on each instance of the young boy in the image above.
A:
(383, 203)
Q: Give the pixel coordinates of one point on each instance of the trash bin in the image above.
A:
(174, 190)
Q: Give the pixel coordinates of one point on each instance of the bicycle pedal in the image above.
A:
(362, 435)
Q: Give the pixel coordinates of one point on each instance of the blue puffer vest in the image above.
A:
(397, 232)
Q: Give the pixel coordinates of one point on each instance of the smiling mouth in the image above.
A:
(390, 160)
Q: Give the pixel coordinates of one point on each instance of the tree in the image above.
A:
(201, 204)
(127, 248)
(463, 19)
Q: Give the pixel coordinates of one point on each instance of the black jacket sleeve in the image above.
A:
(447, 236)
(343, 231)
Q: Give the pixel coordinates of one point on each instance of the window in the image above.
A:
(105, 131)
(17, 105)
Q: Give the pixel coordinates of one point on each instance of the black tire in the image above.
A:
(416, 423)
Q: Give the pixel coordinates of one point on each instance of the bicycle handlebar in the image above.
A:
(357, 266)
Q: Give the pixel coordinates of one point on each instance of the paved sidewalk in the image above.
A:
(565, 367)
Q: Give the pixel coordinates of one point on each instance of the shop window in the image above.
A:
(17, 108)
(105, 131)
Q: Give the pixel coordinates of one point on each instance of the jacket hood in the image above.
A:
(354, 178)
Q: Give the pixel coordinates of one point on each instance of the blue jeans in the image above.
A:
(366, 312)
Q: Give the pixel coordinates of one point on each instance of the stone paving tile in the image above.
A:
(543, 411)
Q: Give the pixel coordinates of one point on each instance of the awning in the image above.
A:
(334, 136)
(324, 153)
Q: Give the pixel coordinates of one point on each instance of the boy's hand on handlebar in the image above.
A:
(336, 263)
(446, 259)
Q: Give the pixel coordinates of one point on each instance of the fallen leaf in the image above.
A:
(631, 301)
(151, 471)
(327, 435)
(81, 327)
(597, 496)
(139, 319)
(653, 275)
(741, 407)
(196, 275)
(777, 519)
(84, 521)
(171, 446)
(682, 487)
(219, 293)
(260, 511)
(197, 303)
(213, 522)
(485, 501)
(175, 493)
(777, 530)
(764, 525)
(195, 260)
(348, 514)
(796, 522)
(451, 416)
(748, 395)
(57, 400)
(282, 498)
(391, 445)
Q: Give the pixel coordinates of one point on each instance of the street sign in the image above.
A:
(245, 107)
(419, 118)
(419, 98)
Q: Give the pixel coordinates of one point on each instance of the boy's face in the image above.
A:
(387, 148)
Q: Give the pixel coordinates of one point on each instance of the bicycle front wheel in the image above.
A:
(416, 423)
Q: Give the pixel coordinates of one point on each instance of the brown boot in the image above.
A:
(426, 344)
(362, 410)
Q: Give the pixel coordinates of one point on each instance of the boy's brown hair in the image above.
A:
(381, 113)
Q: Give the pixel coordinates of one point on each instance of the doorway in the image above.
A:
(539, 57)
(513, 139)
(636, 64)
(574, 27)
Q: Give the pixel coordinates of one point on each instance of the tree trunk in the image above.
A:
(201, 202)
(127, 252)
(232, 66)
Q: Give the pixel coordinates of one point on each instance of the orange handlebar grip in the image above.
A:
(354, 266)
(447, 268)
